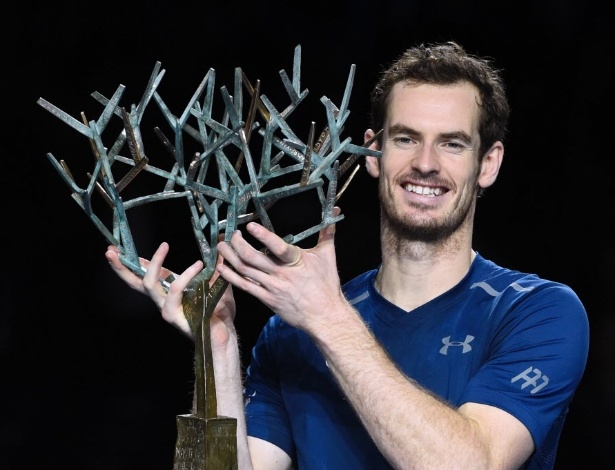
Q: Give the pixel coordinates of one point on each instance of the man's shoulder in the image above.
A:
(359, 285)
(522, 287)
(488, 270)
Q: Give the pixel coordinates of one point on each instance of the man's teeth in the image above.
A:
(424, 190)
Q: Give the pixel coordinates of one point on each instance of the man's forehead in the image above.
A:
(450, 107)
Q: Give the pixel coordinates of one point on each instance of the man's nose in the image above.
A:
(426, 159)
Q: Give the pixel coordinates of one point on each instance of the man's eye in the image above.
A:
(402, 140)
(455, 146)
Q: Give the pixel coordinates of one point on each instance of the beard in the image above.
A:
(419, 227)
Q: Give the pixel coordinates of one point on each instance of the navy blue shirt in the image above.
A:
(500, 337)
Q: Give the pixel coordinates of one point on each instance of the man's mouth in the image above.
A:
(424, 190)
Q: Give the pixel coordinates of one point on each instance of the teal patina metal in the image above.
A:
(225, 185)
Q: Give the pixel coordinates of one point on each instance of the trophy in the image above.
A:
(243, 163)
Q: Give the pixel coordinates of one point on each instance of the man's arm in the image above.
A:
(255, 453)
(261, 455)
(412, 428)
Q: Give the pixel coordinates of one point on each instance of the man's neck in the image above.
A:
(417, 273)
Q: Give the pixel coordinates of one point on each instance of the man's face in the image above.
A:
(429, 169)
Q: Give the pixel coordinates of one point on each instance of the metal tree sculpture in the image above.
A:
(219, 200)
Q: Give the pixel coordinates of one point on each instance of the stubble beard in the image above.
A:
(398, 228)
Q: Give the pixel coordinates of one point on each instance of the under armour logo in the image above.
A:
(532, 379)
(465, 344)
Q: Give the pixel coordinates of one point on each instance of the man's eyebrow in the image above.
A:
(459, 135)
(402, 129)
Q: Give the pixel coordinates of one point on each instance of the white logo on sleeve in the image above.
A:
(537, 380)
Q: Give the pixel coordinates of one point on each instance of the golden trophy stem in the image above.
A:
(205, 441)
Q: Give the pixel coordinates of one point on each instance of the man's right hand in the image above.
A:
(170, 303)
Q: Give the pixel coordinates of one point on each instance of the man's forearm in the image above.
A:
(412, 428)
(229, 394)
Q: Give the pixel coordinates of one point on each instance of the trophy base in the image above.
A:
(205, 443)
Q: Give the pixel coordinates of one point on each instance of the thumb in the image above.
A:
(328, 233)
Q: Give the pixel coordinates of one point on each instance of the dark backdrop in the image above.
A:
(92, 377)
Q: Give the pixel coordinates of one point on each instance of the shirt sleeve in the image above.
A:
(538, 358)
(266, 415)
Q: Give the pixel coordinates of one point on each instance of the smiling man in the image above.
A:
(437, 358)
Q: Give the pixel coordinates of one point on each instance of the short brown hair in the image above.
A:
(446, 64)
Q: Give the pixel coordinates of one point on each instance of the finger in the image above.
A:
(240, 281)
(172, 309)
(219, 260)
(294, 253)
(328, 233)
(181, 282)
(153, 274)
(125, 274)
(113, 248)
(244, 258)
(112, 256)
(285, 253)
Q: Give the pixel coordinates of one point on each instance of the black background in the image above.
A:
(91, 376)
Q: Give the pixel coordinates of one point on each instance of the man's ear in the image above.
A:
(372, 164)
(490, 166)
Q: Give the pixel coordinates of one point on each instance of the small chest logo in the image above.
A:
(465, 344)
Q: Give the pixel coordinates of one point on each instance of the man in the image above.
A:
(436, 359)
